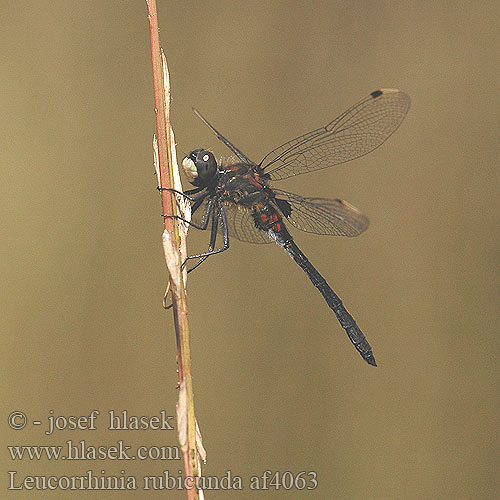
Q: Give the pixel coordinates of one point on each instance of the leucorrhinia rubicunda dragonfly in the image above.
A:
(236, 199)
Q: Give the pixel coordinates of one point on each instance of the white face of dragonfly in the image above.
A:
(189, 169)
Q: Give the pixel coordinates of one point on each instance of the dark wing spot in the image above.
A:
(284, 206)
(376, 93)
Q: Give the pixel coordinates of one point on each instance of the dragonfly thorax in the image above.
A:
(200, 167)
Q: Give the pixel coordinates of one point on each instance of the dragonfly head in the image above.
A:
(200, 167)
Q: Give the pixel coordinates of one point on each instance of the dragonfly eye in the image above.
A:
(200, 167)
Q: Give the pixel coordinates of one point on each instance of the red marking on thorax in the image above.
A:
(252, 180)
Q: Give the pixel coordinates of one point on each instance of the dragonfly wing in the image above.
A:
(356, 132)
(240, 222)
(241, 225)
(320, 215)
(230, 145)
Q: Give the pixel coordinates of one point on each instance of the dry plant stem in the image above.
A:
(171, 246)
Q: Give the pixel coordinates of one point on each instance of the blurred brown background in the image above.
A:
(277, 384)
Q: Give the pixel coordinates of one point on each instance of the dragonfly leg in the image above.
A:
(213, 237)
(185, 194)
(192, 224)
(194, 208)
(219, 216)
(211, 246)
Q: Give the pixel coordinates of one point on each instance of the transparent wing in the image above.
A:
(239, 223)
(321, 215)
(356, 132)
(229, 144)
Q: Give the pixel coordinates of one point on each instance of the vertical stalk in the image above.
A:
(172, 244)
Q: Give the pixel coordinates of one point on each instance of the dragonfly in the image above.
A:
(236, 198)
